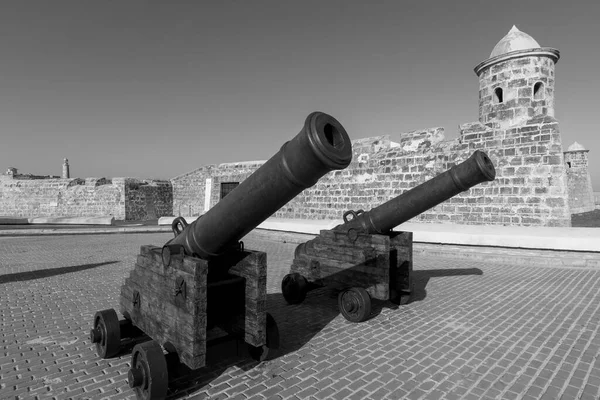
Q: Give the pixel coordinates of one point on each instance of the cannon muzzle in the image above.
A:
(476, 169)
(321, 146)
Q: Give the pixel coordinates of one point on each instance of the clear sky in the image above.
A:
(155, 89)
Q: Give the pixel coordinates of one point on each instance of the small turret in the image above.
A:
(517, 82)
(11, 171)
(579, 181)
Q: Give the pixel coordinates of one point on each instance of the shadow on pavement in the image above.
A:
(421, 278)
(45, 273)
(297, 325)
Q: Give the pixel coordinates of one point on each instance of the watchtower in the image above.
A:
(517, 82)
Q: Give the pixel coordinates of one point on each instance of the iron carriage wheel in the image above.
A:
(294, 288)
(106, 334)
(355, 304)
(148, 376)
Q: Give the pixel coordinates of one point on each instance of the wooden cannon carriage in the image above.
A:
(203, 278)
(363, 256)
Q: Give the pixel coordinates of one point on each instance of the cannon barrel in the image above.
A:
(321, 146)
(476, 169)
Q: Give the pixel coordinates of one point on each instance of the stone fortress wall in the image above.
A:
(530, 186)
(121, 198)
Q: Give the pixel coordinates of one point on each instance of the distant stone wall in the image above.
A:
(61, 198)
(120, 198)
(530, 187)
(597, 199)
(90, 197)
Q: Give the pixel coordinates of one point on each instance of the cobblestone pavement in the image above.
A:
(474, 330)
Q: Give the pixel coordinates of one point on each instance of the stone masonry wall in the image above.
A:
(147, 199)
(530, 187)
(579, 181)
(91, 197)
(517, 79)
(61, 198)
(189, 190)
(121, 198)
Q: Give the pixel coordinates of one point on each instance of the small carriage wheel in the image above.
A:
(294, 288)
(260, 353)
(106, 333)
(148, 376)
(355, 304)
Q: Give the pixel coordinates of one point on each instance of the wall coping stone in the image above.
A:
(525, 237)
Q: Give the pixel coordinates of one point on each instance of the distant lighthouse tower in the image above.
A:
(65, 172)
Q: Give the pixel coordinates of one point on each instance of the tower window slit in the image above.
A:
(498, 95)
(538, 91)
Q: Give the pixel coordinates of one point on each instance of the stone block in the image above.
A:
(555, 202)
(522, 61)
(554, 160)
(525, 92)
(531, 220)
(472, 136)
(533, 200)
(517, 83)
(517, 160)
(532, 160)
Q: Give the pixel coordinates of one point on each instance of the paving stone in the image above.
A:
(359, 395)
(494, 329)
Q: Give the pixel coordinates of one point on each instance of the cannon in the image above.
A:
(203, 285)
(363, 257)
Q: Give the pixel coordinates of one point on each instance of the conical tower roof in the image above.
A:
(514, 40)
(575, 147)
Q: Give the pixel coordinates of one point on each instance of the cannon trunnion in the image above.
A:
(364, 257)
(203, 280)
